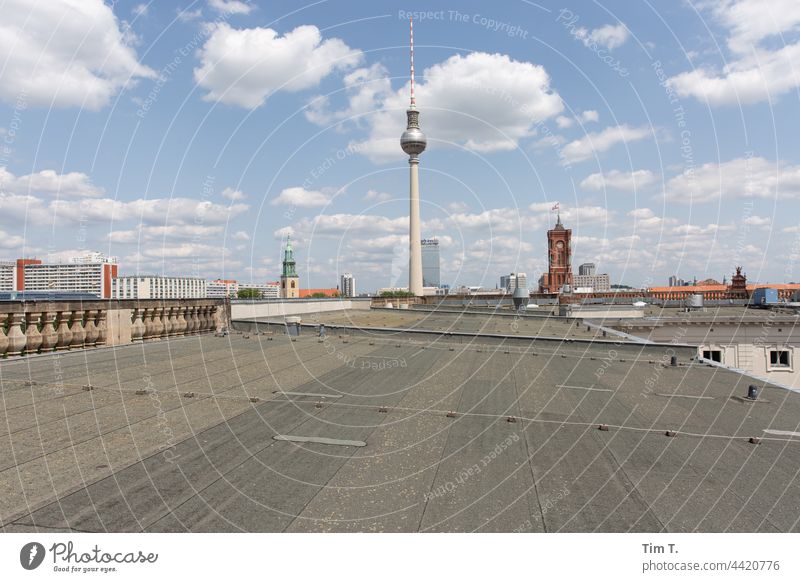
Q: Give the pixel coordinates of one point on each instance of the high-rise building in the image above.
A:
(222, 288)
(559, 257)
(413, 142)
(430, 262)
(157, 287)
(509, 282)
(91, 274)
(587, 269)
(347, 286)
(290, 282)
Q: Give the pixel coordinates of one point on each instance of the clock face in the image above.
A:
(560, 245)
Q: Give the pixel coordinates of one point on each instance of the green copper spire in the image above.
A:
(288, 259)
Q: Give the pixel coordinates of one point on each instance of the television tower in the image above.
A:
(413, 143)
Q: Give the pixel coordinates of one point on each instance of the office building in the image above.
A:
(509, 282)
(587, 269)
(221, 288)
(157, 287)
(430, 262)
(596, 283)
(347, 285)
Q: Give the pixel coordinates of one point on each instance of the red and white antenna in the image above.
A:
(413, 100)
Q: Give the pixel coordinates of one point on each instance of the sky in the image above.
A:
(190, 138)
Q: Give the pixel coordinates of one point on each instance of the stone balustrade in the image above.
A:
(35, 327)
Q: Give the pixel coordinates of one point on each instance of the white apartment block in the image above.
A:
(154, 287)
(7, 278)
(92, 278)
(267, 290)
(222, 288)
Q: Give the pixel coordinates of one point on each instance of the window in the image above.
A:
(713, 355)
(779, 358)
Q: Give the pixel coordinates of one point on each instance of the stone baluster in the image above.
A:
(195, 320)
(182, 324)
(78, 332)
(91, 329)
(137, 327)
(49, 333)
(164, 318)
(63, 331)
(149, 326)
(33, 337)
(3, 337)
(16, 339)
(215, 316)
(210, 318)
(170, 322)
(189, 322)
(102, 327)
(201, 319)
(165, 321)
(158, 322)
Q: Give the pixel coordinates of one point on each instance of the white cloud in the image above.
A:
(751, 21)
(298, 196)
(140, 10)
(590, 115)
(594, 143)
(149, 234)
(241, 235)
(186, 15)
(608, 36)
(646, 219)
(366, 89)
(10, 241)
(65, 53)
(18, 209)
(563, 122)
(375, 196)
(618, 180)
(48, 182)
(243, 67)
(231, 194)
(743, 81)
(737, 178)
(484, 102)
(230, 6)
(758, 221)
(758, 71)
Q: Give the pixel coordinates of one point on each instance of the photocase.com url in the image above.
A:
(729, 566)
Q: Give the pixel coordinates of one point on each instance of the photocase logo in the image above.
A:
(31, 555)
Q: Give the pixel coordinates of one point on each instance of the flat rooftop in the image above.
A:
(392, 432)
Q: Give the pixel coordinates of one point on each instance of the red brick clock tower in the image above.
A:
(559, 252)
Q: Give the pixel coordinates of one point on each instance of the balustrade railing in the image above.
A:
(31, 328)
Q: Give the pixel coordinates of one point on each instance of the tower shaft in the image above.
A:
(415, 239)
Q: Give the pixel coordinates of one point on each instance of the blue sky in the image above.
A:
(190, 138)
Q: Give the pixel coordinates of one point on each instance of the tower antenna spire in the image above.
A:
(411, 30)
